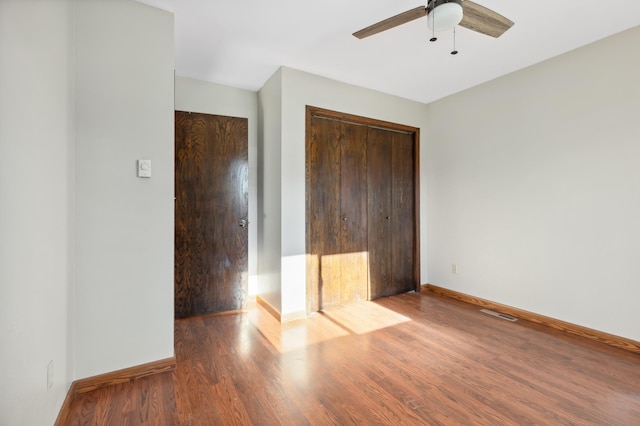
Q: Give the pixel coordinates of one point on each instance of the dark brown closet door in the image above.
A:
(380, 212)
(354, 257)
(391, 209)
(403, 208)
(336, 213)
(362, 220)
(211, 164)
(323, 213)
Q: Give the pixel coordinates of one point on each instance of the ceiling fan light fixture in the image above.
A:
(444, 15)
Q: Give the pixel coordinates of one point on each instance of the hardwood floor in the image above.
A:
(403, 360)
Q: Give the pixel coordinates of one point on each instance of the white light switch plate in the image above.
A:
(144, 168)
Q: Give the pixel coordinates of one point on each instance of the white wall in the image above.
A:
(36, 191)
(124, 224)
(269, 190)
(534, 188)
(208, 98)
(300, 89)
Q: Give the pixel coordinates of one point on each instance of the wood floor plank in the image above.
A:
(411, 359)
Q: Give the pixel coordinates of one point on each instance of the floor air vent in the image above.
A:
(499, 315)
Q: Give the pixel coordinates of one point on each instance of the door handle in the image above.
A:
(243, 223)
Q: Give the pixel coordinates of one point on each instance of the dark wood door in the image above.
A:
(323, 207)
(211, 186)
(404, 262)
(362, 218)
(354, 255)
(391, 212)
(336, 213)
(380, 211)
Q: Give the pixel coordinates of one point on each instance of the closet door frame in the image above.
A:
(311, 112)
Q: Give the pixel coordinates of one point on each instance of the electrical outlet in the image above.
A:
(454, 268)
(50, 375)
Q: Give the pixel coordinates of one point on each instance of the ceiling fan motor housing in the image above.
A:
(444, 15)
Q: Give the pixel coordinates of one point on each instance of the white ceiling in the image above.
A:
(241, 43)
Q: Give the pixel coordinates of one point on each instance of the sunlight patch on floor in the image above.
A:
(364, 317)
(295, 334)
(331, 323)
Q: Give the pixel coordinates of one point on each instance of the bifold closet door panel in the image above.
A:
(353, 202)
(403, 217)
(379, 212)
(324, 225)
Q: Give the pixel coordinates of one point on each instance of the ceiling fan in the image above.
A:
(444, 15)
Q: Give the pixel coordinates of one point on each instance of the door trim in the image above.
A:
(316, 112)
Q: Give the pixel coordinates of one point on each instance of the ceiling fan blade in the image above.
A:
(392, 22)
(482, 20)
